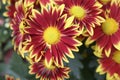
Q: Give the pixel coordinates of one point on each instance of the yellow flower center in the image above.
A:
(110, 26)
(78, 12)
(21, 27)
(51, 35)
(116, 56)
(105, 1)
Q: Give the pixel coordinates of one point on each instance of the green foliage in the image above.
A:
(19, 66)
(16, 67)
(5, 34)
(76, 66)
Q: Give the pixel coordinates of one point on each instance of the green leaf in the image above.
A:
(99, 77)
(8, 45)
(4, 68)
(18, 66)
(75, 66)
(4, 35)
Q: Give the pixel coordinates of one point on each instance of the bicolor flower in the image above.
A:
(108, 34)
(18, 24)
(48, 72)
(111, 64)
(53, 35)
(8, 77)
(86, 13)
(10, 8)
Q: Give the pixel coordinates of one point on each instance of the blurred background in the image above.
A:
(83, 66)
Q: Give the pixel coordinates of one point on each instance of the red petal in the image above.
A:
(48, 57)
(103, 41)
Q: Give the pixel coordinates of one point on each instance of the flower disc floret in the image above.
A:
(51, 35)
(110, 26)
(78, 12)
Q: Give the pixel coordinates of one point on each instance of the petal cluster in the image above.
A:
(110, 65)
(8, 77)
(86, 13)
(107, 34)
(52, 36)
(48, 32)
(47, 35)
(48, 72)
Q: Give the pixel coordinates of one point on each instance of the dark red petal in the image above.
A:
(103, 41)
(97, 33)
(48, 56)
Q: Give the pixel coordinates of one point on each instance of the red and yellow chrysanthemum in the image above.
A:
(86, 13)
(52, 34)
(111, 64)
(48, 72)
(18, 24)
(108, 34)
(8, 77)
(10, 8)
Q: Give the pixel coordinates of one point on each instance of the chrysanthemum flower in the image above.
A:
(10, 8)
(18, 24)
(48, 72)
(111, 64)
(53, 35)
(86, 13)
(108, 34)
(7, 77)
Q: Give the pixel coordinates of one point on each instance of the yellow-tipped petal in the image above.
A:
(89, 41)
(107, 52)
(100, 70)
(70, 54)
(98, 51)
(65, 59)
(69, 22)
(61, 8)
(117, 46)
